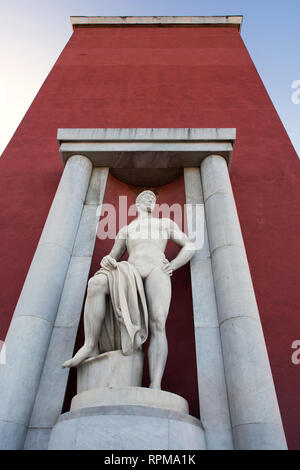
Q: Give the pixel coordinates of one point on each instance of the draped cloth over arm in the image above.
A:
(125, 325)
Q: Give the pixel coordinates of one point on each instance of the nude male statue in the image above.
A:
(145, 239)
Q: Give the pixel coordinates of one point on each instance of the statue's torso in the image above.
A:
(146, 242)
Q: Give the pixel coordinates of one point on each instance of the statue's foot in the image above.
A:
(69, 363)
(80, 356)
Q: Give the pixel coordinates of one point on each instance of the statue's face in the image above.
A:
(146, 200)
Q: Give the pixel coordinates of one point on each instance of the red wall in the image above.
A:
(167, 77)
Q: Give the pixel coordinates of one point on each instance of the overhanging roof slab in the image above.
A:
(146, 156)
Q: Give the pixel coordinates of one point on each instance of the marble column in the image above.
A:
(254, 411)
(214, 410)
(31, 327)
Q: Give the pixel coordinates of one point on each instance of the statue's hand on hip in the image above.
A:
(166, 267)
(108, 262)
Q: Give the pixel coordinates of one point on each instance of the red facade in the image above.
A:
(168, 76)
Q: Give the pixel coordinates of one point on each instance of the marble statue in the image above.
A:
(126, 298)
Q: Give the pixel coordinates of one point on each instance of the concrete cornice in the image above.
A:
(233, 21)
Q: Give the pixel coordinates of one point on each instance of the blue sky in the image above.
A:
(34, 32)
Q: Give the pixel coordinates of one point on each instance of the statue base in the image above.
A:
(130, 396)
(127, 427)
(114, 379)
(111, 369)
(112, 411)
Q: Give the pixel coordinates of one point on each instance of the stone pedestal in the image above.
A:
(111, 369)
(127, 427)
(112, 411)
(130, 396)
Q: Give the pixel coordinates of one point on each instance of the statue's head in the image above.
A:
(146, 201)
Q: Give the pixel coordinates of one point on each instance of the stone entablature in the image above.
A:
(147, 157)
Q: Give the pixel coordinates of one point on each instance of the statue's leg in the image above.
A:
(94, 313)
(158, 293)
